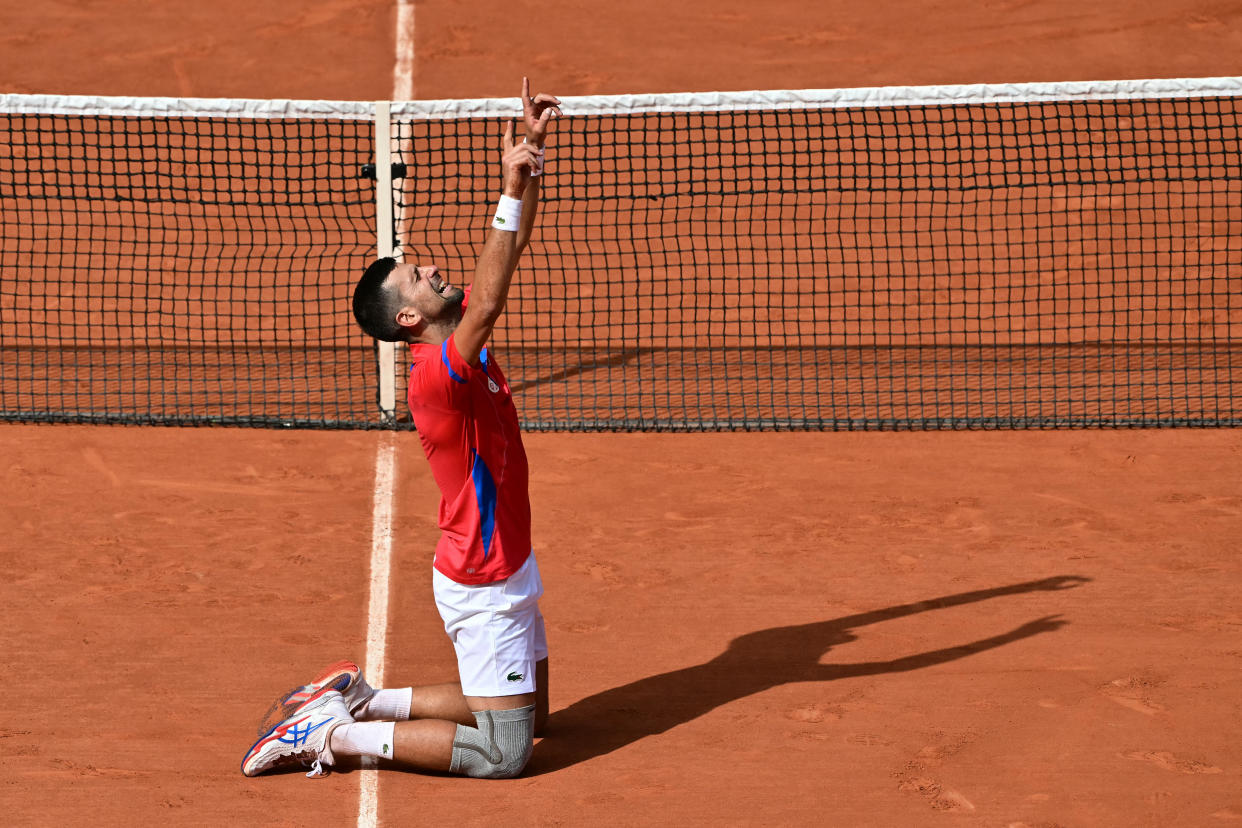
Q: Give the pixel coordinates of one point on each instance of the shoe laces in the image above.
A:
(317, 769)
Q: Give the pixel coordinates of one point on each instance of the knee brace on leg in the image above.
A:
(499, 748)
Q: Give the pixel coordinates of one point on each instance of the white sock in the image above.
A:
(364, 739)
(386, 705)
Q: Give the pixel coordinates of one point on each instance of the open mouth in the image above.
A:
(439, 284)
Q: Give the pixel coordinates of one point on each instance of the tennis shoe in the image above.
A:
(344, 677)
(304, 738)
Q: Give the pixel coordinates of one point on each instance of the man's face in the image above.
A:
(425, 292)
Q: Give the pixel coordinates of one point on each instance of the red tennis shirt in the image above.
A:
(469, 429)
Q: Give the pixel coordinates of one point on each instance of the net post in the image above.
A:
(386, 352)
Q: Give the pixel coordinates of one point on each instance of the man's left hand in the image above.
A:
(538, 112)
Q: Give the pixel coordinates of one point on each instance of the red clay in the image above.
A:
(784, 628)
(746, 628)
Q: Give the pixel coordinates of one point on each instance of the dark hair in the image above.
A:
(375, 307)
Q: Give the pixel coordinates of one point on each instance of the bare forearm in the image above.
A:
(537, 113)
(511, 230)
(494, 272)
(530, 209)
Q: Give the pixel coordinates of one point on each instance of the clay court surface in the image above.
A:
(991, 629)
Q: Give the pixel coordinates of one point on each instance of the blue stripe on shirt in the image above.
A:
(485, 494)
(447, 364)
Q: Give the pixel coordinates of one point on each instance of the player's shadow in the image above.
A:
(754, 662)
(584, 365)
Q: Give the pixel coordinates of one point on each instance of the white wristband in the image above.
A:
(508, 214)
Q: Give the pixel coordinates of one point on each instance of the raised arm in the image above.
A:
(510, 230)
(537, 113)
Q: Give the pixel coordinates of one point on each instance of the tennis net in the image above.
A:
(1064, 255)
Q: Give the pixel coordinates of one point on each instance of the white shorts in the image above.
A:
(496, 630)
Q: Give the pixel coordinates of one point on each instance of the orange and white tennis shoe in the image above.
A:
(344, 677)
(304, 738)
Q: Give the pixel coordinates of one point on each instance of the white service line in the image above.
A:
(403, 70)
(402, 90)
(385, 479)
(381, 557)
(377, 605)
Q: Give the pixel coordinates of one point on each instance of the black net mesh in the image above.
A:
(1002, 265)
(183, 270)
(968, 266)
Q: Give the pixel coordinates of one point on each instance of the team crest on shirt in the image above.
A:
(492, 386)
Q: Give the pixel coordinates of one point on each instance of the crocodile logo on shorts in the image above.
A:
(515, 677)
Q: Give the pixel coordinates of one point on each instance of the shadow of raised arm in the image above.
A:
(752, 663)
(831, 672)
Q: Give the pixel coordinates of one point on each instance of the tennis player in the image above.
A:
(485, 579)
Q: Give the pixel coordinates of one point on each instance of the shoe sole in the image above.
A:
(277, 734)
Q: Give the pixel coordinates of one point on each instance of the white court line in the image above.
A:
(377, 605)
(402, 90)
(385, 475)
(403, 71)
